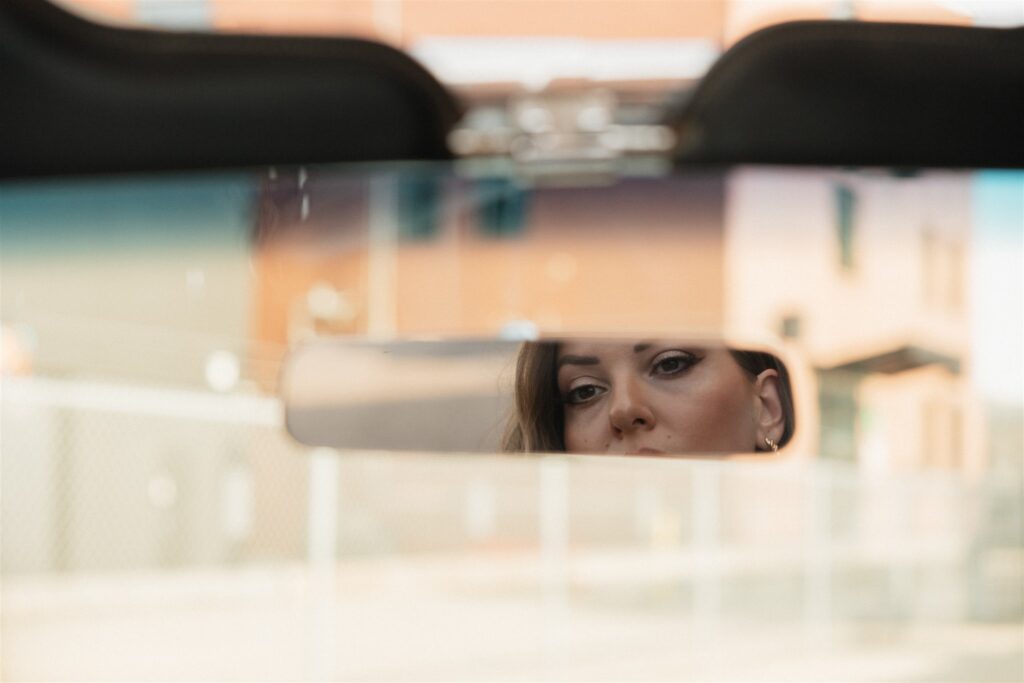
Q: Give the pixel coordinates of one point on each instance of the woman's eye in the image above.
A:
(670, 365)
(583, 394)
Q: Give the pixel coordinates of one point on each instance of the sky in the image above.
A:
(997, 286)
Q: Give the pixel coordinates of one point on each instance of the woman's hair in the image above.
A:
(538, 420)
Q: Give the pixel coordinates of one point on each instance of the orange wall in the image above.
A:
(311, 17)
(583, 18)
(118, 10)
(584, 263)
(746, 16)
(403, 22)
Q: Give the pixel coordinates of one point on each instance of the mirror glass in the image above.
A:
(653, 397)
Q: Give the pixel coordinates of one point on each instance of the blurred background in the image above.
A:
(159, 523)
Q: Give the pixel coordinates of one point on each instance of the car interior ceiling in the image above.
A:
(83, 98)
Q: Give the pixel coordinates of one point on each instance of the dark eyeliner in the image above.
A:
(687, 359)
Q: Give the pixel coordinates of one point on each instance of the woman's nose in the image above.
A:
(629, 412)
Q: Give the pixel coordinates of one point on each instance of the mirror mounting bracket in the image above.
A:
(561, 134)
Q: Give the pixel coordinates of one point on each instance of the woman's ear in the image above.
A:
(769, 417)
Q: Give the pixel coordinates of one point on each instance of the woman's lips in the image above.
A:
(646, 451)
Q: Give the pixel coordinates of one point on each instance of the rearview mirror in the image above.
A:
(578, 395)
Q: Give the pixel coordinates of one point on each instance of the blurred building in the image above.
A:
(125, 418)
(407, 22)
(496, 46)
(804, 257)
(865, 275)
(425, 252)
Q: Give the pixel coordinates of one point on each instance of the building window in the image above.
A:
(838, 414)
(419, 206)
(956, 281)
(957, 458)
(180, 14)
(502, 207)
(930, 266)
(942, 440)
(846, 209)
(789, 327)
(943, 267)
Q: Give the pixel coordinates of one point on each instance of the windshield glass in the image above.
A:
(151, 492)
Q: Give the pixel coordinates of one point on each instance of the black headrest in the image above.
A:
(77, 97)
(866, 94)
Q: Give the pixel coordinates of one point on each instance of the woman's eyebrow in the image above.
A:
(577, 360)
(642, 346)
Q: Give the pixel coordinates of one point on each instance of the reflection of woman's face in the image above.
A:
(655, 397)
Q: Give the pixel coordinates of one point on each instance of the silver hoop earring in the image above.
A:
(770, 443)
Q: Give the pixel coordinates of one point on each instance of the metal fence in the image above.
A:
(117, 497)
